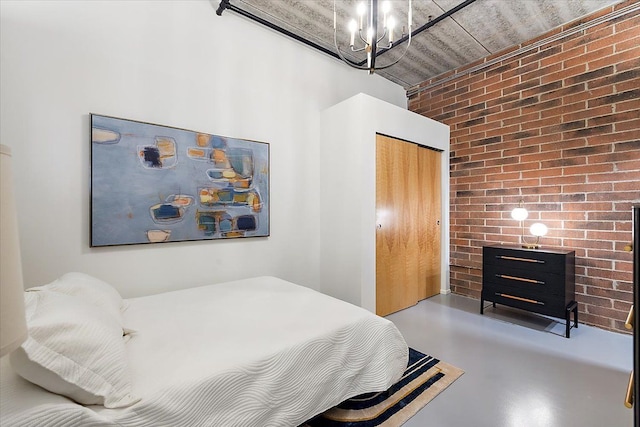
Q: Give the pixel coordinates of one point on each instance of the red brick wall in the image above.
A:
(557, 126)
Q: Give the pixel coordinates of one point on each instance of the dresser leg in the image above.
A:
(573, 306)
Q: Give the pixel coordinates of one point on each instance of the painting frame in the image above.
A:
(152, 183)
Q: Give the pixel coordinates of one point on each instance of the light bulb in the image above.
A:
(353, 26)
(391, 23)
(519, 214)
(361, 10)
(386, 6)
(538, 229)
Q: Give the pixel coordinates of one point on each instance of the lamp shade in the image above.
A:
(538, 229)
(519, 214)
(13, 325)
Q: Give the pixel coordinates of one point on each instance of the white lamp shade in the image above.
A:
(13, 325)
(519, 214)
(538, 229)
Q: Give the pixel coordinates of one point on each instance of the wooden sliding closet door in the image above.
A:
(397, 250)
(429, 222)
(408, 235)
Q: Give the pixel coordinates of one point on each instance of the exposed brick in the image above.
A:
(564, 74)
(586, 151)
(600, 302)
(627, 125)
(558, 127)
(601, 91)
(596, 130)
(549, 87)
(590, 56)
(613, 196)
(616, 78)
(610, 216)
(542, 71)
(522, 86)
(522, 102)
(589, 75)
(566, 90)
(616, 158)
(630, 105)
(618, 97)
(540, 55)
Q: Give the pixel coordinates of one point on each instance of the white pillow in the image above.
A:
(89, 288)
(75, 349)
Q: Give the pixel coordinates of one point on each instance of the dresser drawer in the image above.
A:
(536, 280)
(544, 304)
(525, 259)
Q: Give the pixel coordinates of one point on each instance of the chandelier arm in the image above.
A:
(362, 38)
(397, 60)
(393, 45)
(384, 34)
(341, 55)
(335, 43)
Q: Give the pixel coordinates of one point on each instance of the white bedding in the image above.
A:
(254, 352)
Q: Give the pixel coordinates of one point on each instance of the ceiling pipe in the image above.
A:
(225, 4)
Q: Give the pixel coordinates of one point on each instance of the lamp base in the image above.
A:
(531, 246)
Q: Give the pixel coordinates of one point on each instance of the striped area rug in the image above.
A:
(424, 378)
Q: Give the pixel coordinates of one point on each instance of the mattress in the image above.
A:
(253, 352)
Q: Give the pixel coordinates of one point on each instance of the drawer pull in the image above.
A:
(532, 301)
(628, 399)
(629, 322)
(521, 279)
(513, 258)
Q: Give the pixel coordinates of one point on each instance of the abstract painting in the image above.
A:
(153, 183)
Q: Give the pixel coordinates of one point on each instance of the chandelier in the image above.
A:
(365, 38)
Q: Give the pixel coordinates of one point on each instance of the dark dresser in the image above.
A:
(540, 281)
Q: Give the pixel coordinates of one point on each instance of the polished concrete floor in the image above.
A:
(520, 371)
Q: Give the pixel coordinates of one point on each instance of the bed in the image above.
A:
(252, 352)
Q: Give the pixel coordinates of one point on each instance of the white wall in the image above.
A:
(173, 63)
(348, 192)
